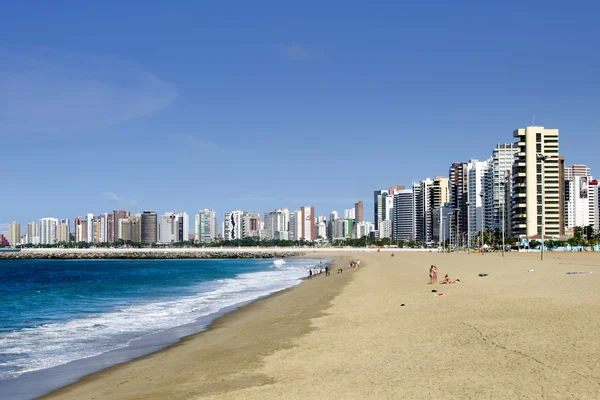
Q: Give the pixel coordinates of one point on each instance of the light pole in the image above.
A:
(443, 230)
(481, 213)
(468, 227)
(542, 158)
(504, 213)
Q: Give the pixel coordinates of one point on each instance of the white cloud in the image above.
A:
(49, 91)
(121, 201)
(296, 52)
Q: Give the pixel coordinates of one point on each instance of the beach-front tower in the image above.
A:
(307, 224)
(536, 188)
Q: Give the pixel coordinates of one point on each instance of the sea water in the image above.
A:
(55, 312)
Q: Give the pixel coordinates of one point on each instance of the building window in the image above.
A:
(538, 148)
(538, 137)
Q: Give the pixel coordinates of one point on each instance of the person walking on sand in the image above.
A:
(435, 274)
(431, 275)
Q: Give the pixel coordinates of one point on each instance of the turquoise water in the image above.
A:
(56, 311)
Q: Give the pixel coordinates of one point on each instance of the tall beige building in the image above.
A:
(536, 187)
(14, 234)
(62, 233)
(440, 191)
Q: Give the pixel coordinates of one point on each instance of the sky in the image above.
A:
(267, 104)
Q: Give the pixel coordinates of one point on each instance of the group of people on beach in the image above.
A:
(433, 277)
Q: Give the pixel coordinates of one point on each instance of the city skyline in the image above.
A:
(485, 176)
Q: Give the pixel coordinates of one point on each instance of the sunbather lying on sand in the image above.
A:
(448, 281)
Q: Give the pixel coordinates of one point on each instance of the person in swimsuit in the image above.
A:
(435, 274)
(431, 275)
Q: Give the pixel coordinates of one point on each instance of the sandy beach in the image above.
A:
(511, 334)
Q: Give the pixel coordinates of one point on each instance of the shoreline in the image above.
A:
(87, 370)
(216, 333)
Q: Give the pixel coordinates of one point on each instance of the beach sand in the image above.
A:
(512, 334)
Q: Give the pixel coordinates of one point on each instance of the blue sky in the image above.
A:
(260, 105)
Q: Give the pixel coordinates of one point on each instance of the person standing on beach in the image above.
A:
(309, 273)
(435, 274)
(431, 275)
(326, 269)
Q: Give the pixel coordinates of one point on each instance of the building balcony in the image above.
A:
(521, 175)
(518, 133)
(520, 184)
(521, 164)
(520, 226)
(521, 195)
(520, 216)
(521, 154)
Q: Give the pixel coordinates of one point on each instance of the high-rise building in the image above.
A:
(307, 231)
(14, 234)
(80, 230)
(441, 224)
(48, 230)
(333, 216)
(350, 213)
(232, 225)
(90, 228)
(250, 224)
(33, 233)
(438, 194)
(103, 238)
(359, 211)
(114, 224)
(168, 228)
(458, 201)
(581, 197)
(276, 221)
(404, 222)
(321, 229)
(503, 157)
(125, 229)
(63, 231)
(136, 228)
(362, 229)
(478, 177)
(206, 227)
(149, 227)
(536, 183)
(295, 225)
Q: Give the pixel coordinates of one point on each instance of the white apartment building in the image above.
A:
(350, 213)
(275, 222)
(295, 232)
(48, 230)
(90, 228)
(363, 228)
(581, 198)
(385, 229)
(501, 164)
(321, 229)
(477, 195)
(206, 227)
(536, 184)
(173, 227)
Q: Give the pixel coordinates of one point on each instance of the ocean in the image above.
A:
(57, 313)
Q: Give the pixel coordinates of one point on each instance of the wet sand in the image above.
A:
(512, 334)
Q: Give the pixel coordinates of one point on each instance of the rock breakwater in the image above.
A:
(88, 254)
